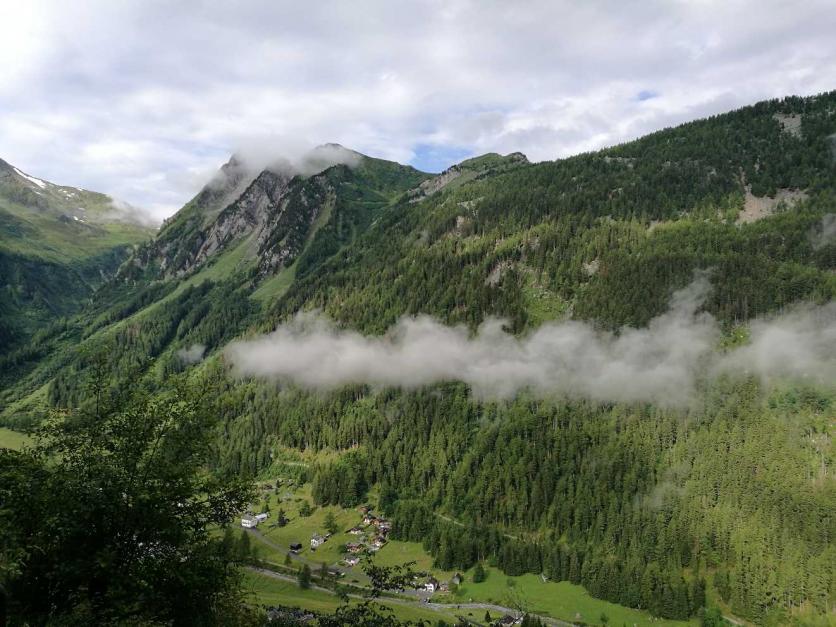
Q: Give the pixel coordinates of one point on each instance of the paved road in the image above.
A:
(449, 608)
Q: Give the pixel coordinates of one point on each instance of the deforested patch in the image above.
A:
(790, 123)
(758, 207)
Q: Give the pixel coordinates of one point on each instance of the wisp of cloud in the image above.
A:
(191, 355)
(661, 363)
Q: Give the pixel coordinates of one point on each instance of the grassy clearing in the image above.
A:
(300, 529)
(543, 305)
(275, 287)
(556, 599)
(265, 590)
(50, 239)
(396, 552)
(561, 600)
(13, 439)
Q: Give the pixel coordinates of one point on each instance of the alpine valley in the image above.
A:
(727, 502)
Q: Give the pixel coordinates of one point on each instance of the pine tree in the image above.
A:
(330, 523)
(304, 577)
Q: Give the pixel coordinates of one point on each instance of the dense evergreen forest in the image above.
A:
(648, 507)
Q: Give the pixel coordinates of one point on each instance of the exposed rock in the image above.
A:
(436, 184)
(790, 123)
(495, 275)
(758, 207)
(591, 267)
(462, 226)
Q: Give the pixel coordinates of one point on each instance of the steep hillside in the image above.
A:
(57, 244)
(642, 504)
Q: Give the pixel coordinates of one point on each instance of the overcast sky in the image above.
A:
(144, 100)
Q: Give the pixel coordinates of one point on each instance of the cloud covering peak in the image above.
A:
(662, 363)
(142, 100)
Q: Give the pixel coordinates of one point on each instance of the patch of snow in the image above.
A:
(31, 179)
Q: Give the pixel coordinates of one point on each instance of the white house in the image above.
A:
(316, 540)
(249, 521)
(431, 584)
(262, 517)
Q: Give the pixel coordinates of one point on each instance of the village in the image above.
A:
(371, 534)
(287, 531)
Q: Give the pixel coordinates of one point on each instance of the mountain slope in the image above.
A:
(57, 244)
(279, 209)
(638, 503)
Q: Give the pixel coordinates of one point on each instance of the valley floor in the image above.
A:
(560, 603)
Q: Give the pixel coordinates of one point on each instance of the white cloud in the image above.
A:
(662, 363)
(134, 98)
(191, 355)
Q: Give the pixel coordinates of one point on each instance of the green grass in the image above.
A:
(62, 242)
(13, 439)
(271, 591)
(542, 304)
(396, 552)
(300, 529)
(222, 266)
(275, 286)
(561, 600)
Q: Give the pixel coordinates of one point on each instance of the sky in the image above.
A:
(144, 100)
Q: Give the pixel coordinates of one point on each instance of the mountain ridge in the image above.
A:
(57, 244)
(645, 506)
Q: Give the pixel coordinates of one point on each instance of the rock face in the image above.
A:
(275, 213)
(790, 123)
(250, 213)
(269, 216)
(758, 207)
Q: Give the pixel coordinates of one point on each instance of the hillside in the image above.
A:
(57, 245)
(644, 504)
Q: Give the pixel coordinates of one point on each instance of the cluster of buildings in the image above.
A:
(251, 520)
(372, 535)
(431, 584)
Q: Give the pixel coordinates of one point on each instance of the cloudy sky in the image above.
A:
(144, 100)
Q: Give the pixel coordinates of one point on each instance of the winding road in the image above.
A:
(450, 608)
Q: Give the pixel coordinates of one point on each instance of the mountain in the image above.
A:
(644, 504)
(57, 245)
(274, 213)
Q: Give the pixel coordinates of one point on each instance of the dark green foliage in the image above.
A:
(330, 523)
(108, 520)
(303, 577)
(341, 483)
